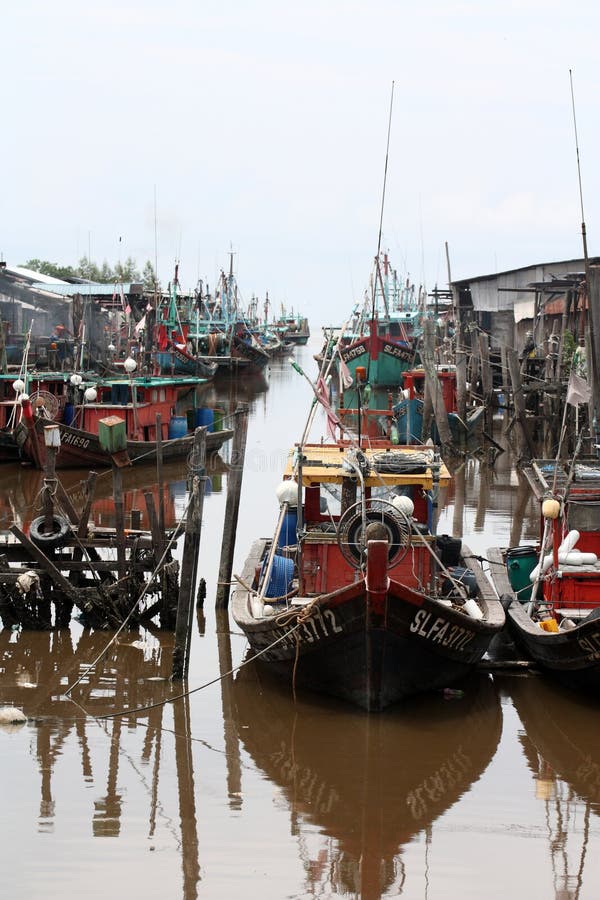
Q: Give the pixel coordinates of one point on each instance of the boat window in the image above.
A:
(162, 395)
(154, 396)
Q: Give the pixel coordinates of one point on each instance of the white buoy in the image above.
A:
(10, 715)
(566, 558)
(404, 505)
(569, 542)
(287, 492)
(472, 609)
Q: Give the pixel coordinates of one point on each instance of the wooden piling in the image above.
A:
(433, 384)
(119, 521)
(89, 499)
(159, 474)
(187, 585)
(234, 488)
(487, 382)
(524, 440)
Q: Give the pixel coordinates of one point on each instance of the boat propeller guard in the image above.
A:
(394, 526)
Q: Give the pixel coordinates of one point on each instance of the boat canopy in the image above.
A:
(325, 463)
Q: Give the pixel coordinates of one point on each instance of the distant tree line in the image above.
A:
(104, 274)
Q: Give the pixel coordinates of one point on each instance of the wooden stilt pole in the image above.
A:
(187, 586)
(525, 443)
(159, 474)
(234, 488)
(487, 382)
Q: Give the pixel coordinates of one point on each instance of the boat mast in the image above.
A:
(593, 375)
(387, 152)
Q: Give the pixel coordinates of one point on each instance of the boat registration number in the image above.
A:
(74, 440)
(439, 631)
(404, 355)
(591, 645)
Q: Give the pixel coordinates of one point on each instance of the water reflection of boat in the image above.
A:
(20, 491)
(135, 671)
(369, 783)
(560, 744)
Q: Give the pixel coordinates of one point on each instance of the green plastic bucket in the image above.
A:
(520, 561)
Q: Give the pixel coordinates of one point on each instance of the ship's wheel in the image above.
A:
(44, 404)
(353, 533)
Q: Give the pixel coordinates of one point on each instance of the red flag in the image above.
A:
(345, 375)
(323, 398)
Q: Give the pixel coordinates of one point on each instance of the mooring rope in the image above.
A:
(184, 694)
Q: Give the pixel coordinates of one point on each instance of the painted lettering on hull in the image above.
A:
(74, 440)
(590, 645)
(353, 352)
(321, 624)
(440, 631)
(398, 352)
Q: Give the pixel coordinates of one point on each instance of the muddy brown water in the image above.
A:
(237, 790)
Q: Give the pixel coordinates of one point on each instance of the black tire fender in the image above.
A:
(49, 539)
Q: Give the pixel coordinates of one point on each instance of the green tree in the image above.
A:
(106, 273)
(149, 278)
(49, 268)
(128, 270)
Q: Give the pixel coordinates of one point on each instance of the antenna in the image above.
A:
(586, 262)
(387, 150)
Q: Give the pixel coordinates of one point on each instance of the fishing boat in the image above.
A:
(202, 334)
(364, 787)
(84, 413)
(552, 589)
(408, 411)
(294, 327)
(383, 338)
(354, 596)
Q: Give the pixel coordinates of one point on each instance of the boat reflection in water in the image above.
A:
(370, 783)
(20, 491)
(114, 774)
(560, 744)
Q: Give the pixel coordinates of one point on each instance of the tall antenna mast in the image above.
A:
(593, 375)
(387, 150)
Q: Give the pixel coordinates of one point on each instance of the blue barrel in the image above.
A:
(205, 416)
(178, 427)
(287, 535)
(68, 414)
(280, 579)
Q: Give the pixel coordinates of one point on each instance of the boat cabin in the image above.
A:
(388, 490)
(571, 576)
(414, 382)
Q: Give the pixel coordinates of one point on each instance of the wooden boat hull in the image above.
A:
(179, 362)
(255, 357)
(81, 449)
(384, 359)
(372, 654)
(572, 657)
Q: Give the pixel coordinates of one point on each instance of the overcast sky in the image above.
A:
(261, 126)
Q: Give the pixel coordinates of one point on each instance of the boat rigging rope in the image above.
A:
(184, 694)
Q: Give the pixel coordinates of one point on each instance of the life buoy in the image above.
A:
(49, 539)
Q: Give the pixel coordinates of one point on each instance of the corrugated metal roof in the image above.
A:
(90, 289)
